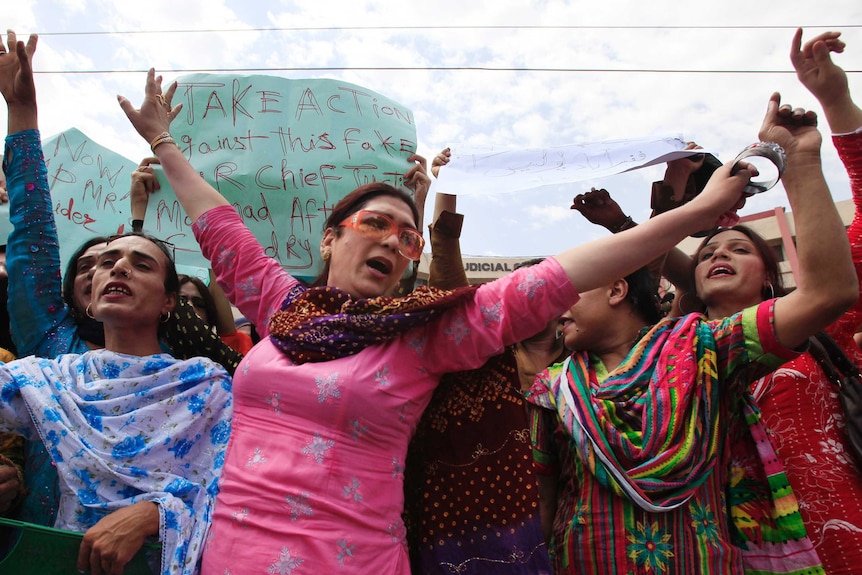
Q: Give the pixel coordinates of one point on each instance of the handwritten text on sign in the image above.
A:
(283, 152)
(89, 189)
(474, 170)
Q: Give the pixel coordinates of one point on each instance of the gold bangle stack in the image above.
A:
(163, 138)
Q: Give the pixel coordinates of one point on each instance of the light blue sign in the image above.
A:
(283, 152)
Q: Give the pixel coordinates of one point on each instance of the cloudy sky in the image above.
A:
(513, 74)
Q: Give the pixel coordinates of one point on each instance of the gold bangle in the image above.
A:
(163, 138)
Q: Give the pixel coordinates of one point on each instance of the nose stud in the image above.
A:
(127, 274)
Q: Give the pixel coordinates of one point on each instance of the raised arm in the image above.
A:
(826, 285)
(827, 81)
(152, 120)
(446, 270)
(16, 82)
(417, 181)
(606, 259)
(144, 182)
(599, 208)
(41, 322)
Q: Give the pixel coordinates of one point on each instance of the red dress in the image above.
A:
(801, 409)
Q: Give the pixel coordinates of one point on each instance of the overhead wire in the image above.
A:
(456, 27)
(433, 68)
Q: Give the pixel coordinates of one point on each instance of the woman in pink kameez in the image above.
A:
(326, 404)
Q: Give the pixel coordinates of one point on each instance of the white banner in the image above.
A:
(490, 170)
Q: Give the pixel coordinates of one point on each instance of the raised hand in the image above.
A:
(156, 113)
(815, 68)
(16, 82)
(794, 129)
(440, 160)
(144, 183)
(416, 178)
(601, 209)
(826, 80)
(678, 171)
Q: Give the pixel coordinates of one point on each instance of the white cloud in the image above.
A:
(505, 108)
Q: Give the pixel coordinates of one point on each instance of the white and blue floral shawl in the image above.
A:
(123, 429)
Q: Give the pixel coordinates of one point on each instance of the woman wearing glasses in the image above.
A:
(326, 405)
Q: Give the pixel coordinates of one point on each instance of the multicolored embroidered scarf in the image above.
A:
(324, 323)
(658, 421)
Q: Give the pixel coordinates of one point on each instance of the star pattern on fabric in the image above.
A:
(225, 256)
(240, 515)
(358, 429)
(318, 447)
(491, 315)
(351, 491)
(403, 411)
(285, 564)
(256, 459)
(417, 344)
(398, 532)
(531, 285)
(397, 468)
(381, 377)
(248, 287)
(344, 551)
(299, 506)
(458, 330)
(273, 400)
(203, 222)
(327, 387)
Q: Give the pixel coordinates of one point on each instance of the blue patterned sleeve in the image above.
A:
(14, 415)
(41, 322)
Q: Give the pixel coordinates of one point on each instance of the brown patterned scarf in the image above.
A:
(324, 323)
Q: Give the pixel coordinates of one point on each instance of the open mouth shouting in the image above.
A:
(380, 265)
(116, 289)
(719, 270)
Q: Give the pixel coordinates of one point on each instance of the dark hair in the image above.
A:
(528, 263)
(643, 294)
(767, 256)
(172, 280)
(355, 201)
(206, 295)
(71, 272)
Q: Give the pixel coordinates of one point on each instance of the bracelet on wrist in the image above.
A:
(163, 138)
(624, 225)
(137, 225)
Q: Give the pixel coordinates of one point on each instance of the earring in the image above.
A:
(89, 311)
(166, 318)
(770, 290)
(326, 254)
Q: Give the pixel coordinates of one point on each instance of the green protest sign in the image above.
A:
(89, 189)
(283, 152)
